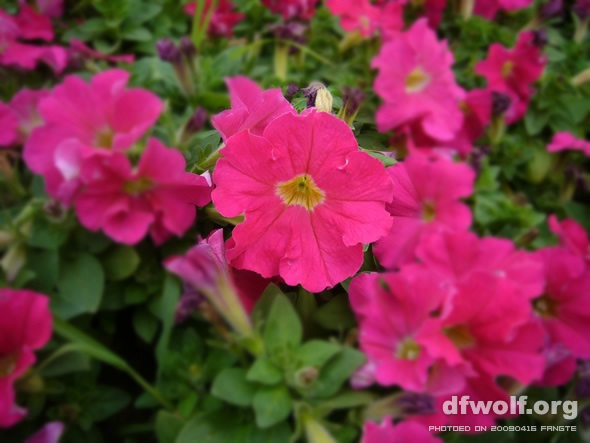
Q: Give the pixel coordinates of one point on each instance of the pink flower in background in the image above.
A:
(571, 236)
(109, 117)
(458, 254)
(28, 25)
(310, 198)
(416, 82)
(356, 15)
(252, 108)
(158, 196)
(489, 8)
(513, 71)
(223, 18)
(25, 327)
(426, 196)
(392, 310)
(564, 307)
(8, 126)
(50, 433)
(22, 110)
(565, 141)
(205, 268)
(489, 330)
(49, 8)
(406, 431)
(79, 48)
(391, 20)
(292, 9)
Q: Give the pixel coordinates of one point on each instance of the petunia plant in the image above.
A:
(299, 220)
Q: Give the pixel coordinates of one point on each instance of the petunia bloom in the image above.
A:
(310, 198)
(223, 18)
(565, 141)
(8, 126)
(564, 306)
(25, 328)
(571, 236)
(252, 108)
(426, 197)
(456, 255)
(417, 84)
(356, 15)
(292, 9)
(405, 431)
(109, 117)
(158, 196)
(489, 8)
(49, 8)
(205, 268)
(50, 433)
(16, 31)
(513, 71)
(22, 111)
(392, 310)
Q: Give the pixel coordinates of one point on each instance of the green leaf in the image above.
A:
(120, 262)
(47, 234)
(137, 34)
(231, 386)
(168, 426)
(264, 372)
(264, 304)
(80, 287)
(336, 314)
(169, 302)
(347, 400)
(105, 402)
(145, 324)
(336, 372)
(316, 353)
(283, 329)
(45, 265)
(272, 405)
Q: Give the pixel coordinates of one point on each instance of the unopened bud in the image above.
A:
(197, 121)
(582, 9)
(500, 103)
(187, 47)
(581, 78)
(168, 51)
(352, 99)
(551, 9)
(292, 89)
(305, 377)
(13, 261)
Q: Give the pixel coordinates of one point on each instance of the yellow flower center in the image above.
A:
(544, 306)
(460, 336)
(7, 364)
(417, 80)
(507, 68)
(301, 191)
(428, 212)
(408, 349)
(138, 186)
(104, 138)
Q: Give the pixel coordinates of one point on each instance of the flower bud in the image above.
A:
(500, 103)
(168, 51)
(187, 48)
(581, 78)
(551, 9)
(311, 93)
(352, 99)
(324, 101)
(13, 261)
(197, 121)
(305, 377)
(582, 9)
(292, 89)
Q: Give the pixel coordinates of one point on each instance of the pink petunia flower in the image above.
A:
(25, 327)
(50, 433)
(158, 196)
(49, 8)
(406, 431)
(564, 307)
(426, 197)
(392, 310)
(223, 18)
(309, 196)
(356, 15)
(22, 111)
(82, 119)
(571, 236)
(252, 108)
(513, 71)
(205, 268)
(492, 333)
(489, 8)
(455, 255)
(28, 25)
(8, 126)
(416, 82)
(292, 9)
(564, 141)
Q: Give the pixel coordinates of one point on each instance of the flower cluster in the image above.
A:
(81, 150)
